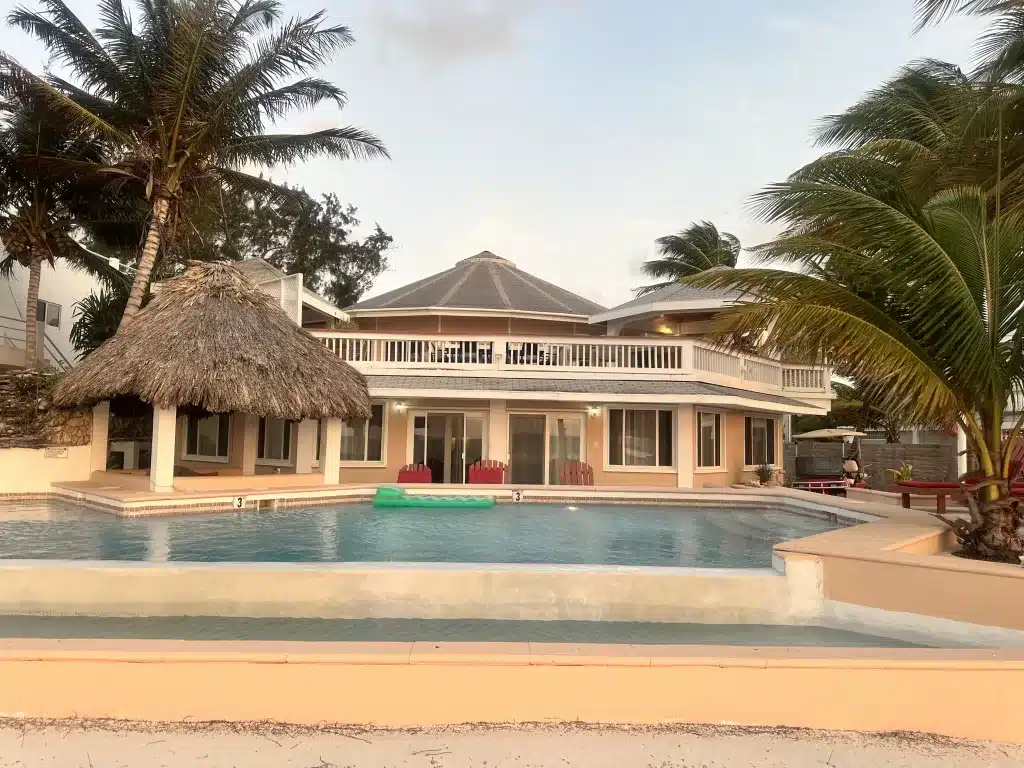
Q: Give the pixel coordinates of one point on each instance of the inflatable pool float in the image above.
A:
(397, 498)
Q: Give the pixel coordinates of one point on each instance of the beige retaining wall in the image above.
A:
(968, 694)
(405, 591)
(32, 470)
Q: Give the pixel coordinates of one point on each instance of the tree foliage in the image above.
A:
(183, 92)
(317, 240)
(697, 248)
(907, 241)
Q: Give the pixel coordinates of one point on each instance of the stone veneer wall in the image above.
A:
(930, 462)
(26, 420)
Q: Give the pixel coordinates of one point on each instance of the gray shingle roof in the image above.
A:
(484, 281)
(580, 386)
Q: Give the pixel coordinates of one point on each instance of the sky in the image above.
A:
(567, 135)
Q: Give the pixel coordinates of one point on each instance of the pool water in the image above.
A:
(510, 533)
(414, 630)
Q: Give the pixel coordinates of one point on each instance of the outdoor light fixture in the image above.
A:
(400, 407)
(593, 410)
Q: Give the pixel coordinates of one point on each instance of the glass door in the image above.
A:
(526, 448)
(448, 443)
(565, 438)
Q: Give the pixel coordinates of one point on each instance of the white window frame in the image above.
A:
(201, 457)
(655, 468)
(723, 440)
(754, 415)
(46, 312)
(290, 461)
(366, 441)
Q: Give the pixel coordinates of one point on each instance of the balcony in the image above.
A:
(579, 357)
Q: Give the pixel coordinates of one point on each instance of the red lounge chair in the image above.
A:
(415, 473)
(488, 472)
(576, 473)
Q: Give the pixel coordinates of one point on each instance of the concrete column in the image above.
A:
(98, 440)
(497, 431)
(305, 446)
(161, 471)
(250, 442)
(961, 451)
(685, 431)
(330, 461)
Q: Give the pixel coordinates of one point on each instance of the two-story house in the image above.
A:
(484, 361)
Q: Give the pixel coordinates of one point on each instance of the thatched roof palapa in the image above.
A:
(211, 338)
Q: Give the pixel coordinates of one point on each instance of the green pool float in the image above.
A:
(395, 498)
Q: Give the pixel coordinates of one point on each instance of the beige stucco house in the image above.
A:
(486, 361)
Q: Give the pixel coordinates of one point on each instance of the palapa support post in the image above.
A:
(305, 446)
(330, 460)
(250, 443)
(161, 472)
(98, 439)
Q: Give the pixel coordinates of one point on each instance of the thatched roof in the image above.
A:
(211, 338)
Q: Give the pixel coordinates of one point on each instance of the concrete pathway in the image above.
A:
(114, 744)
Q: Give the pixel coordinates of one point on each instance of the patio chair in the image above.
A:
(488, 472)
(576, 473)
(415, 473)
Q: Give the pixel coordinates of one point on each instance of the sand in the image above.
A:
(109, 744)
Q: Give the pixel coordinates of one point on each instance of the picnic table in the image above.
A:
(940, 491)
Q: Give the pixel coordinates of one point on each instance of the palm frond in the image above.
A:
(268, 150)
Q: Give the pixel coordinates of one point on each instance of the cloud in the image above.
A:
(442, 33)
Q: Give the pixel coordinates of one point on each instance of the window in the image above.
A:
(363, 439)
(275, 440)
(709, 439)
(207, 437)
(759, 441)
(639, 438)
(49, 313)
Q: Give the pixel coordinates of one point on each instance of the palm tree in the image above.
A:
(185, 94)
(37, 221)
(697, 248)
(1000, 51)
(926, 313)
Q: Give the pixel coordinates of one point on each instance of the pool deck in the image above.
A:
(124, 501)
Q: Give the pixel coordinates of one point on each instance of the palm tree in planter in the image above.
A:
(940, 337)
(697, 248)
(185, 92)
(37, 204)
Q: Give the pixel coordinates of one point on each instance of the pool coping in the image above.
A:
(402, 685)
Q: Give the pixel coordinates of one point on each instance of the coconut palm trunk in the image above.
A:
(35, 269)
(161, 209)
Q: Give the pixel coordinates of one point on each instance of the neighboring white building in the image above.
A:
(59, 289)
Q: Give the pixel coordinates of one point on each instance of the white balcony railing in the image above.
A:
(683, 358)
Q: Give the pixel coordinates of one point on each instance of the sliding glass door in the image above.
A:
(526, 448)
(540, 445)
(449, 443)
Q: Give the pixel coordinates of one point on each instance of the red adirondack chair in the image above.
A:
(488, 472)
(576, 473)
(415, 473)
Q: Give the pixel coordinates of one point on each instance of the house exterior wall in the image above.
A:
(471, 325)
(398, 443)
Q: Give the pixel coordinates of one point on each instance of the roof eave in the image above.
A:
(656, 308)
(355, 311)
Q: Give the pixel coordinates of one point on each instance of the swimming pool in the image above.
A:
(513, 534)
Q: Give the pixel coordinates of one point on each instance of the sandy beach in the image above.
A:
(113, 744)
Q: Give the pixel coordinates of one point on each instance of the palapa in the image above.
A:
(212, 338)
